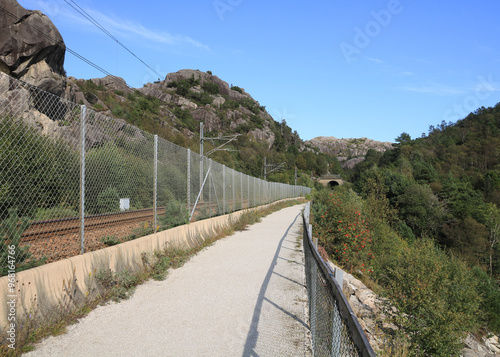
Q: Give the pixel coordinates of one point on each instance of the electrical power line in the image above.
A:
(103, 29)
(76, 54)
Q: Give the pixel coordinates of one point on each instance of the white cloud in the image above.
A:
(376, 60)
(436, 89)
(128, 28)
(120, 28)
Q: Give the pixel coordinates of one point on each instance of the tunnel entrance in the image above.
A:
(332, 184)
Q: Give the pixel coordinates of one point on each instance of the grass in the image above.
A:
(108, 286)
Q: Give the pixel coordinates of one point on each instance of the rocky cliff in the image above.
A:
(31, 48)
(349, 152)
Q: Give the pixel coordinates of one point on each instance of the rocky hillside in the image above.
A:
(33, 50)
(348, 152)
(183, 100)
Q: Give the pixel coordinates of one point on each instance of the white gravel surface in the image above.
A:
(242, 296)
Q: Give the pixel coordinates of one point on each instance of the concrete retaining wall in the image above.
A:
(65, 284)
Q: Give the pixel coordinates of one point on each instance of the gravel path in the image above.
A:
(243, 296)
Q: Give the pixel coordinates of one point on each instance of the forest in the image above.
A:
(420, 224)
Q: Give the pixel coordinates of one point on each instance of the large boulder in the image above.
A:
(31, 48)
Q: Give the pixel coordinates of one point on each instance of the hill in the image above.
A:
(349, 152)
(446, 185)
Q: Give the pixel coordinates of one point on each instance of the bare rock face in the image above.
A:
(263, 136)
(349, 152)
(113, 83)
(31, 48)
(210, 119)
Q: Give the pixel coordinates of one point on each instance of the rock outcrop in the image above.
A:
(216, 117)
(349, 152)
(31, 48)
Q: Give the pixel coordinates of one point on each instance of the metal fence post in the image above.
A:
(223, 189)
(155, 188)
(234, 196)
(210, 183)
(201, 157)
(82, 179)
(189, 180)
(254, 192)
(248, 190)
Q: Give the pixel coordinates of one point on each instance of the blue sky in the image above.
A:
(347, 69)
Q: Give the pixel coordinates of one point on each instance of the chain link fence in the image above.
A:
(335, 330)
(73, 180)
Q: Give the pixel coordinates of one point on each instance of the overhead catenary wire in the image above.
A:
(74, 53)
(85, 14)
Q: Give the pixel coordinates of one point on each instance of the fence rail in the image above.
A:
(62, 160)
(335, 330)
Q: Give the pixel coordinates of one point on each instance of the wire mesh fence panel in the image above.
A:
(216, 175)
(39, 173)
(119, 177)
(334, 328)
(172, 185)
(195, 182)
(238, 179)
(74, 180)
(245, 188)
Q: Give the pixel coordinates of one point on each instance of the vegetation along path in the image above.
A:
(242, 296)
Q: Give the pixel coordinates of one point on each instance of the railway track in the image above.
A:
(55, 227)
(49, 228)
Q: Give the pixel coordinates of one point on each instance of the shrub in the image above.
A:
(11, 230)
(490, 307)
(49, 168)
(176, 214)
(210, 87)
(230, 104)
(108, 201)
(435, 296)
(120, 285)
(343, 230)
(250, 105)
(236, 88)
(201, 98)
(61, 211)
(110, 240)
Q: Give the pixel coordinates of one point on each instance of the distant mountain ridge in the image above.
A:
(349, 152)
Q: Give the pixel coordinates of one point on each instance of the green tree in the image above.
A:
(403, 138)
(421, 209)
(301, 162)
(492, 221)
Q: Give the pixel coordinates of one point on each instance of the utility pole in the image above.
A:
(273, 167)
